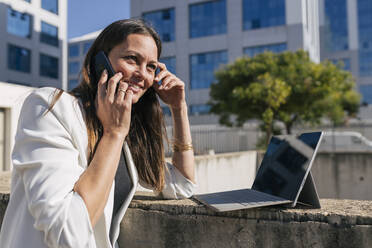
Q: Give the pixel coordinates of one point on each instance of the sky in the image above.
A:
(86, 16)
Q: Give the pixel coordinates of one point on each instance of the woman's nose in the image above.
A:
(140, 72)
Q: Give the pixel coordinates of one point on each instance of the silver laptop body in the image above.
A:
(283, 177)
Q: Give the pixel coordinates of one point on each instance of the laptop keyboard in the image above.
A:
(251, 197)
(246, 197)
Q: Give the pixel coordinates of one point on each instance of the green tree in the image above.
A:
(286, 87)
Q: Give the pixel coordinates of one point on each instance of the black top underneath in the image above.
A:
(123, 184)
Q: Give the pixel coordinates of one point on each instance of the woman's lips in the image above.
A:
(134, 87)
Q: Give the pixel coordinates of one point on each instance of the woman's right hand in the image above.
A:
(114, 106)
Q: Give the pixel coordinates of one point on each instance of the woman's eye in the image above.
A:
(133, 58)
(152, 67)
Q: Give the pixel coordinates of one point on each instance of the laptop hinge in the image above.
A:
(308, 194)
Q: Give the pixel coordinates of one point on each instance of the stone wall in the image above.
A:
(150, 222)
(344, 175)
(341, 175)
(227, 171)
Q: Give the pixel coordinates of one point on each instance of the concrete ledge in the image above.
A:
(186, 223)
(152, 222)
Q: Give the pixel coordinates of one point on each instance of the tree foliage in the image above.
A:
(286, 87)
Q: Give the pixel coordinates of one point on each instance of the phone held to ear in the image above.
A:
(156, 73)
(101, 62)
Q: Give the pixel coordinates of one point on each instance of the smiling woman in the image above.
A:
(137, 60)
(73, 151)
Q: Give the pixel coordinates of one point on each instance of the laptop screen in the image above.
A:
(285, 164)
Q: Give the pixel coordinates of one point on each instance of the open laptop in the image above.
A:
(283, 178)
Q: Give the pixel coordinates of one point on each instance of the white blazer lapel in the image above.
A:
(134, 176)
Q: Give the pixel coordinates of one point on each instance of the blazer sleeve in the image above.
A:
(45, 157)
(176, 185)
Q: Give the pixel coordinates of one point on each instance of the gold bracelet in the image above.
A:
(180, 147)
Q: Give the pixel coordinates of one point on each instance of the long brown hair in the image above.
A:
(147, 128)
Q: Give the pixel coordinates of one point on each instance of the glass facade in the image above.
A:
(203, 66)
(48, 66)
(164, 22)
(50, 5)
(263, 13)
(86, 46)
(208, 18)
(72, 83)
(73, 68)
(199, 109)
(18, 23)
(366, 91)
(275, 48)
(170, 63)
(19, 58)
(336, 31)
(365, 37)
(346, 63)
(49, 34)
(73, 50)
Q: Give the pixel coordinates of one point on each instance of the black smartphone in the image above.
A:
(156, 73)
(101, 62)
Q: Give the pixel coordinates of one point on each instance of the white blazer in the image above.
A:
(49, 155)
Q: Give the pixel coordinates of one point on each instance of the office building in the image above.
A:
(34, 42)
(77, 49)
(346, 36)
(201, 35)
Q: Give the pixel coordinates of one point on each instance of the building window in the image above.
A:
(365, 63)
(200, 109)
(19, 24)
(207, 18)
(203, 66)
(365, 37)
(72, 83)
(49, 34)
(50, 5)
(86, 47)
(170, 63)
(48, 66)
(262, 14)
(275, 48)
(366, 91)
(73, 68)
(19, 58)
(73, 50)
(336, 32)
(344, 64)
(163, 22)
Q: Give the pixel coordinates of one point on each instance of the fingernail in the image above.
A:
(105, 72)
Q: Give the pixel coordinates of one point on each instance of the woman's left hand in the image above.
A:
(172, 89)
